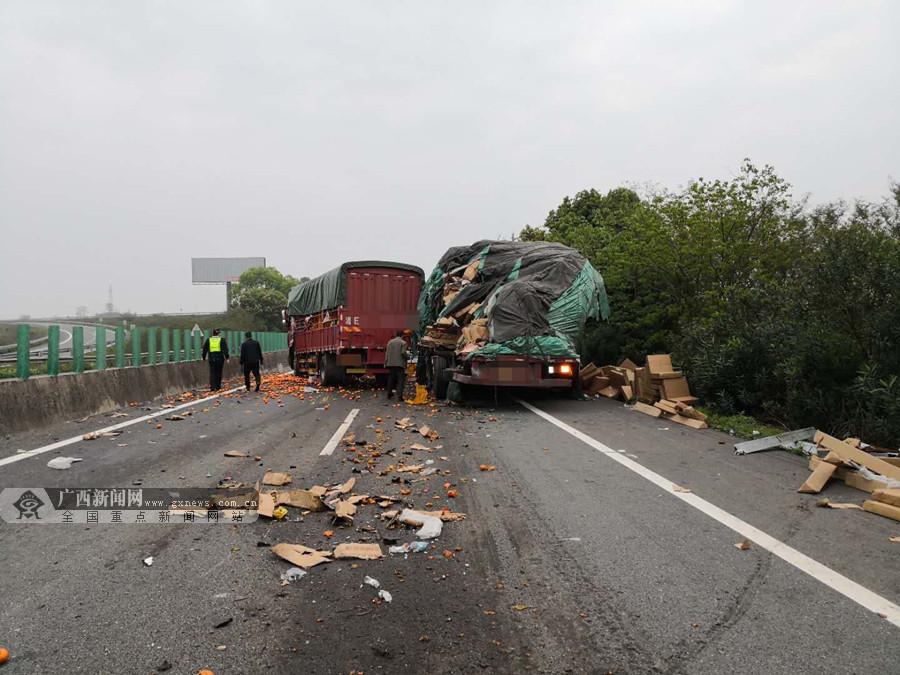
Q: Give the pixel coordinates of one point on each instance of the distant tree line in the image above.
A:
(773, 307)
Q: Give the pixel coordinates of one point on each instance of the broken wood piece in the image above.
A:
(666, 407)
(300, 555)
(818, 478)
(236, 453)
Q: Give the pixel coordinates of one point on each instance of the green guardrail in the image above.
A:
(146, 347)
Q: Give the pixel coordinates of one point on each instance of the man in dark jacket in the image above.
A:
(251, 359)
(217, 349)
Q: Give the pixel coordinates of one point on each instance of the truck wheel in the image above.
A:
(292, 362)
(330, 373)
(441, 381)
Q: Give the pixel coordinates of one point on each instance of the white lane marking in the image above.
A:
(75, 439)
(339, 434)
(838, 582)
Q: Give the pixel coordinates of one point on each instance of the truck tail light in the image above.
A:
(565, 369)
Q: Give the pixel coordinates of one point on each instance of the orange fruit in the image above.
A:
(4, 655)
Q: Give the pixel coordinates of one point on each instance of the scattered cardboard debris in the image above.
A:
(266, 505)
(301, 499)
(743, 545)
(345, 487)
(680, 488)
(887, 496)
(344, 510)
(276, 478)
(818, 478)
(300, 555)
(828, 504)
(651, 410)
(236, 453)
(882, 509)
(358, 551)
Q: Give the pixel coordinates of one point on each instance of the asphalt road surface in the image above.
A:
(578, 553)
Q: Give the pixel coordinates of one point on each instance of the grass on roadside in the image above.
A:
(743, 426)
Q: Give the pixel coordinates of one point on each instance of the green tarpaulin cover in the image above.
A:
(537, 296)
(329, 290)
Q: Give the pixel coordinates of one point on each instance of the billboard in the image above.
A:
(221, 270)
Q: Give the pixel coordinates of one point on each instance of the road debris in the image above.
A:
(743, 545)
(680, 488)
(410, 547)
(148, 561)
(4, 655)
(370, 581)
(429, 526)
(300, 555)
(828, 504)
(276, 478)
(292, 574)
(94, 435)
(358, 551)
(236, 453)
(63, 462)
(385, 595)
(301, 499)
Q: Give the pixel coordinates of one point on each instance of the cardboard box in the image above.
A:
(850, 477)
(818, 478)
(609, 392)
(659, 363)
(886, 510)
(643, 385)
(689, 422)
(667, 407)
(587, 372)
(859, 456)
(597, 385)
(651, 410)
(675, 389)
(627, 393)
(887, 496)
(628, 364)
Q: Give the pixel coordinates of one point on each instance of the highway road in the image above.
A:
(603, 541)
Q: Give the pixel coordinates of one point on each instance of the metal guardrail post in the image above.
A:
(151, 346)
(135, 346)
(198, 346)
(187, 345)
(176, 345)
(23, 366)
(120, 347)
(165, 345)
(100, 347)
(53, 350)
(77, 349)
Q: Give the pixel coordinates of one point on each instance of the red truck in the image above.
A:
(340, 322)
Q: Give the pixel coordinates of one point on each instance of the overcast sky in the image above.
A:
(135, 135)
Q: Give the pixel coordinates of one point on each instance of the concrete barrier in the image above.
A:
(43, 400)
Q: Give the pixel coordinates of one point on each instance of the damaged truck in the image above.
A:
(507, 314)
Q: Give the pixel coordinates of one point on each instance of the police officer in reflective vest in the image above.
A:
(217, 349)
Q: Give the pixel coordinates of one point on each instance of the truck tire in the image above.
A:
(330, 373)
(441, 381)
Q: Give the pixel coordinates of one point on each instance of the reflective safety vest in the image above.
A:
(215, 344)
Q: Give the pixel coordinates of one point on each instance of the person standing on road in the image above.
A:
(395, 362)
(251, 360)
(217, 349)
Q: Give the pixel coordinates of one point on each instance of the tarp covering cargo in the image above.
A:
(329, 290)
(503, 297)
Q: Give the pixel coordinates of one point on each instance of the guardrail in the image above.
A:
(174, 345)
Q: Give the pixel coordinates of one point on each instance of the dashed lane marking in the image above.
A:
(339, 434)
